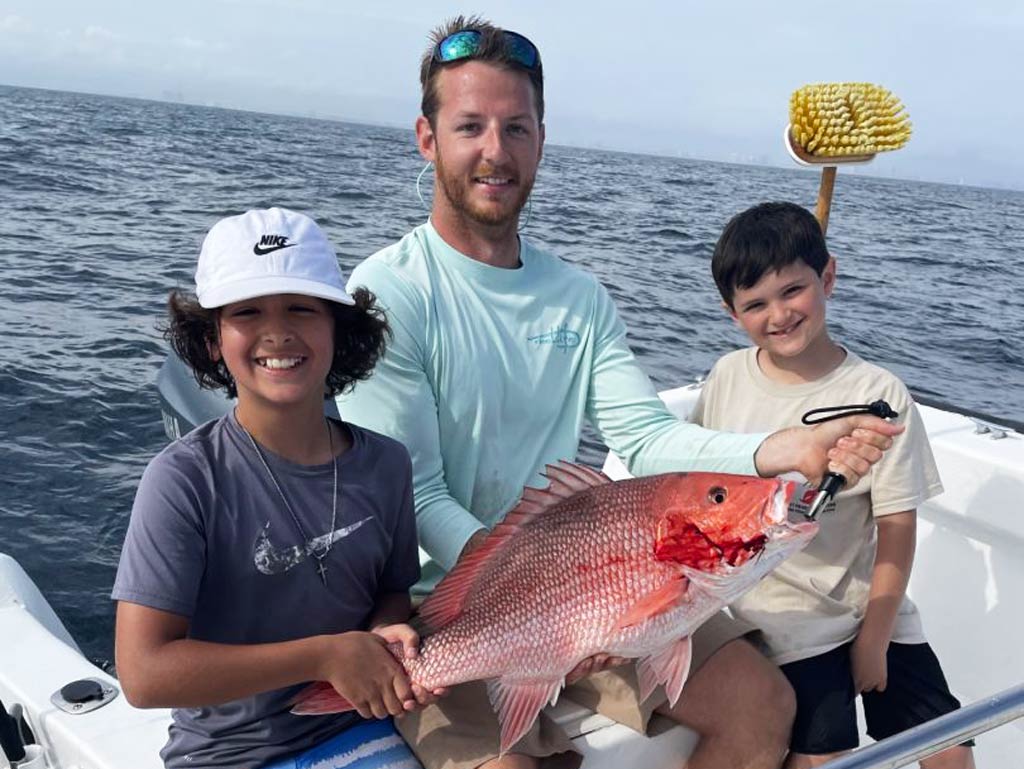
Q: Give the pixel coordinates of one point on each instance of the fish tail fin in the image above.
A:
(518, 703)
(319, 699)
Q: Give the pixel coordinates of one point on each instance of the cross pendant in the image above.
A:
(322, 570)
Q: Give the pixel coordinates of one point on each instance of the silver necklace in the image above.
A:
(321, 554)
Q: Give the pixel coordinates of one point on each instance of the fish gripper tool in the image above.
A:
(833, 482)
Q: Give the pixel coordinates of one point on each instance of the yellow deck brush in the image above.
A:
(834, 123)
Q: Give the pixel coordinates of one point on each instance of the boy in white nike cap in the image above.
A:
(274, 546)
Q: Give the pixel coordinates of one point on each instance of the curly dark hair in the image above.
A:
(361, 333)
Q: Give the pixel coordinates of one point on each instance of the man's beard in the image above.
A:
(456, 188)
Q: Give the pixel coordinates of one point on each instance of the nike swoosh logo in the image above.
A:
(261, 251)
(271, 560)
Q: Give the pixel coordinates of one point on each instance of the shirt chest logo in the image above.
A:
(562, 338)
(271, 559)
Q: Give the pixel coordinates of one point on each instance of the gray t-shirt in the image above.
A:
(211, 539)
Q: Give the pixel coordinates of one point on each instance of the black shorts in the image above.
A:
(826, 712)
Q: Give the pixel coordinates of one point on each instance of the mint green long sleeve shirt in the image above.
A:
(490, 375)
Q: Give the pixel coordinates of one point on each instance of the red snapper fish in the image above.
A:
(588, 565)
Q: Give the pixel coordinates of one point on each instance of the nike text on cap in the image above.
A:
(267, 251)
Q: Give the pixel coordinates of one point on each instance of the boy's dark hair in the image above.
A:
(493, 49)
(766, 238)
(361, 333)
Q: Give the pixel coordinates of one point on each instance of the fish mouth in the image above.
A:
(777, 511)
(787, 531)
(696, 550)
(728, 581)
(738, 552)
(780, 537)
(783, 540)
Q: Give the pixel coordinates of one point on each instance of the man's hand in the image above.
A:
(591, 665)
(848, 446)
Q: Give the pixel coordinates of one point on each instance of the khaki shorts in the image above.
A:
(461, 731)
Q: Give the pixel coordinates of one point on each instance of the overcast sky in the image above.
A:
(701, 80)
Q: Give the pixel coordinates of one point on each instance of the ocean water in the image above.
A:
(104, 202)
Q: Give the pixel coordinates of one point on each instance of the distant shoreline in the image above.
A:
(599, 146)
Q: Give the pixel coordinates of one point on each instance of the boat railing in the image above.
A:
(937, 735)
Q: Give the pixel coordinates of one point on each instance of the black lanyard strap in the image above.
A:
(833, 482)
(878, 408)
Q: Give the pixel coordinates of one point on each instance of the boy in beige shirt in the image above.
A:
(835, 617)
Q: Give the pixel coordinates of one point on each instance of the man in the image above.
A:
(500, 351)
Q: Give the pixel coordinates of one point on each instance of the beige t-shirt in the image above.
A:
(815, 601)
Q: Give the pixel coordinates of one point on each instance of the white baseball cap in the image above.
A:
(267, 251)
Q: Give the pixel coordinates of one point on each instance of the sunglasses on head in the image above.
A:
(468, 42)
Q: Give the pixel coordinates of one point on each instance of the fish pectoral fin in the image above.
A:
(669, 666)
(518, 703)
(657, 602)
(318, 699)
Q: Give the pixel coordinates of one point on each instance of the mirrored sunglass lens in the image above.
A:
(521, 49)
(458, 46)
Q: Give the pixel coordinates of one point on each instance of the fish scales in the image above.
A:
(586, 566)
(550, 592)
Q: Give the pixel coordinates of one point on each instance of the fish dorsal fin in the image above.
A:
(567, 478)
(656, 602)
(448, 601)
(517, 704)
(669, 666)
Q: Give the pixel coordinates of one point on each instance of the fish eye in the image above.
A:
(717, 495)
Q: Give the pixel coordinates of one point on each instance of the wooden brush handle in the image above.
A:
(824, 207)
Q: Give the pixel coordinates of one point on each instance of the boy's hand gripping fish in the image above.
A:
(630, 568)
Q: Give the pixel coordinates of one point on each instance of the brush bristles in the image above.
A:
(837, 119)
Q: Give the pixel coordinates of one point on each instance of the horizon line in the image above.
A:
(397, 126)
